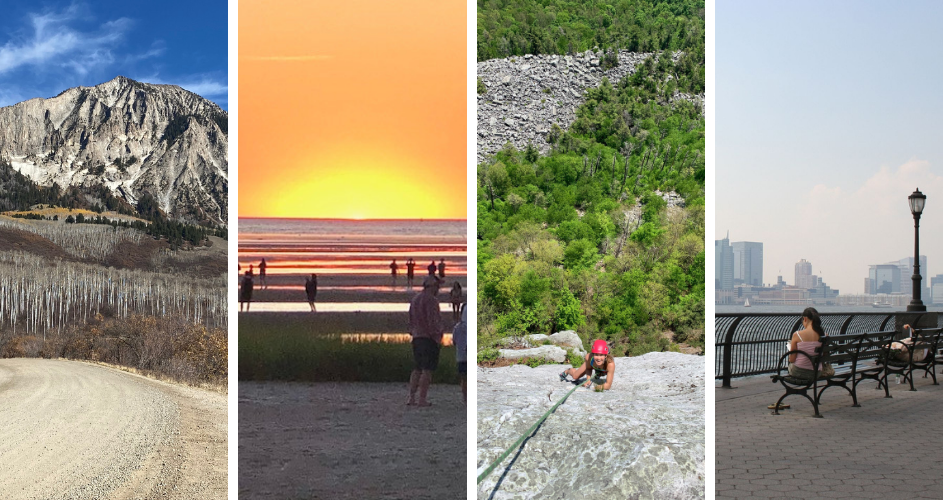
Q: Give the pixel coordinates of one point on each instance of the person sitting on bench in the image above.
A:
(807, 341)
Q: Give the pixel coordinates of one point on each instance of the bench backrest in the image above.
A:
(875, 344)
(927, 338)
(839, 349)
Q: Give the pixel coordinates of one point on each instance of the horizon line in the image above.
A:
(356, 220)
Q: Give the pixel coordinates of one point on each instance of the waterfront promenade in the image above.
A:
(887, 448)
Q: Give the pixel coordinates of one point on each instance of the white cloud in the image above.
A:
(200, 84)
(53, 41)
(288, 58)
(206, 88)
(10, 96)
(843, 231)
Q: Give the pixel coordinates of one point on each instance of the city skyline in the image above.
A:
(830, 132)
(888, 277)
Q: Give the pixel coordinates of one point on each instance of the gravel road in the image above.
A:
(73, 430)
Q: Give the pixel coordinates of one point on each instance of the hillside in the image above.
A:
(137, 140)
(591, 186)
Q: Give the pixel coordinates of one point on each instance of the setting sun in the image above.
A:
(352, 109)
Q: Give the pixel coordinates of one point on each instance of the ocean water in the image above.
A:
(349, 247)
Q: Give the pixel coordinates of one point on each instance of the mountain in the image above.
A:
(133, 138)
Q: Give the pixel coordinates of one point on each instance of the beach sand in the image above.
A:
(350, 440)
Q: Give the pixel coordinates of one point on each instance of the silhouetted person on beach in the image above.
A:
(460, 340)
(455, 296)
(425, 327)
(262, 273)
(393, 268)
(250, 271)
(410, 272)
(245, 291)
(311, 290)
(431, 268)
(442, 269)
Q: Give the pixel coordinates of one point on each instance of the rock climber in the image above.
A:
(599, 367)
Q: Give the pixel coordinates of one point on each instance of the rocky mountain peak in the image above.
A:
(130, 136)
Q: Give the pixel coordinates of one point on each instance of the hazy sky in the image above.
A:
(829, 114)
(50, 46)
(352, 109)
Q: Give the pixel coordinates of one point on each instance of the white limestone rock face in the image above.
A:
(642, 439)
(179, 141)
(547, 352)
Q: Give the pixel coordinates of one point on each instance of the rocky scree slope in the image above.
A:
(130, 136)
(642, 439)
(527, 94)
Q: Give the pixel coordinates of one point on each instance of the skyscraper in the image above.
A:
(884, 278)
(907, 273)
(936, 290)
(804, 274)
(723, 264)
(747, 263)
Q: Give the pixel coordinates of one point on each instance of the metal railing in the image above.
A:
(751, 344)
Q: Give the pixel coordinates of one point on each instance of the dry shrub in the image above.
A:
(166, 347)
(206, 349)
(22, 347)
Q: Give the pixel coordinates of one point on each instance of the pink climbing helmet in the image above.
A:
(600, 347)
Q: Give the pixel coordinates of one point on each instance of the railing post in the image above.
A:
(884, 324)
(844, 326)
(728, 351)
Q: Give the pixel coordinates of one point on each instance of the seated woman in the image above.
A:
(807, 341)
(599, 361)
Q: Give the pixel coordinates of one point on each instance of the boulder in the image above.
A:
(568, 338)
(536, 339)
(644, 438)
(548, 352)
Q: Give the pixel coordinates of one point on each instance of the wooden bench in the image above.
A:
(854, 358)
(928, 339)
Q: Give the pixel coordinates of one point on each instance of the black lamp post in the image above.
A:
(917, 201)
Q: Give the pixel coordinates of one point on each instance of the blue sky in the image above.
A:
(47, 47)
(828, 117)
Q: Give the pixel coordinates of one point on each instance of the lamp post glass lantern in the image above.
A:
(917, 201)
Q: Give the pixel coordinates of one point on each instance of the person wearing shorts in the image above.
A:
(459, 338)
(425, 327)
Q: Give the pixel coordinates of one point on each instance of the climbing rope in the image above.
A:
(530, 431)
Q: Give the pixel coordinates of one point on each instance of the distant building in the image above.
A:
(787, 296)
(936, 290)
(897, 277)
(747, 263)
(907, 274)
(804, 274)
(883, 278)
(723, 264)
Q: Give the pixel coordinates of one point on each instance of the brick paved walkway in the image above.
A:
(850, 453)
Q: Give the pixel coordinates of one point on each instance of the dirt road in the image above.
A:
(71, 430)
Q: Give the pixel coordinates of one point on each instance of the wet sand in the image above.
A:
(332, 322)
(347, 288)
(350, 440)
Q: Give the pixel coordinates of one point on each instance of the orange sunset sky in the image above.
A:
(352, 109)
